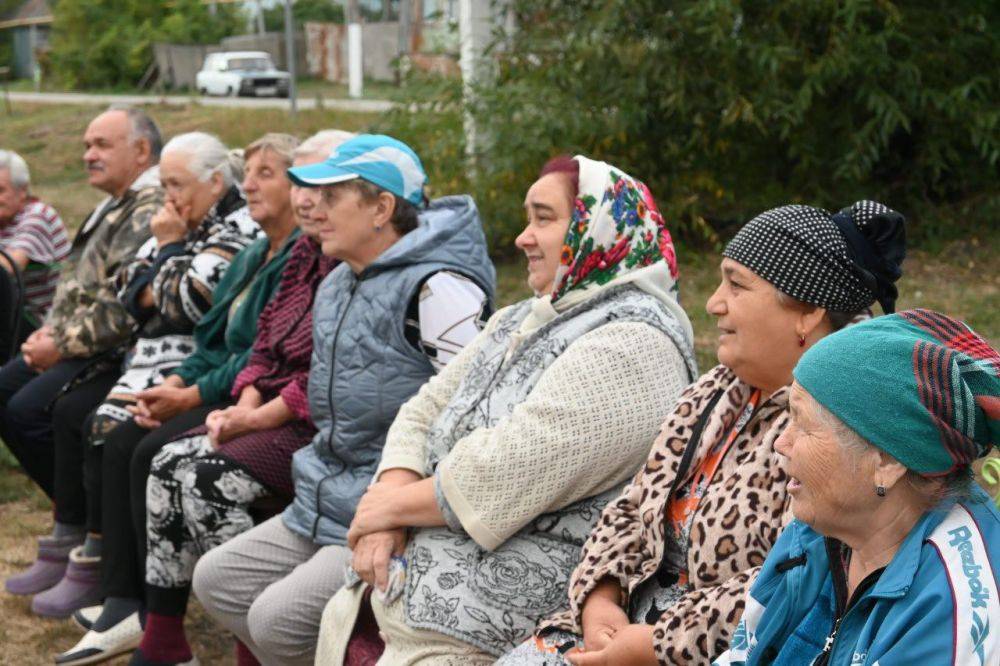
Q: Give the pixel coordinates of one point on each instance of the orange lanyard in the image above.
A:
(685, 501)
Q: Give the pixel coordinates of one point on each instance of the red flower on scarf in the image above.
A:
(667, 250)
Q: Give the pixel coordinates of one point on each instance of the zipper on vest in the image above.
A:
(329, 398)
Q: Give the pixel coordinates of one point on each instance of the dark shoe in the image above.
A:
(98, 646)
(47, 569)
(80, 587)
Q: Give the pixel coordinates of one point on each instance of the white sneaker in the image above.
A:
(98, 646)
(86, 617)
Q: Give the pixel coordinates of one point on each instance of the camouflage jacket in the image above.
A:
(86, 317)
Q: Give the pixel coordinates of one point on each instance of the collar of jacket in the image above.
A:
(898, 576)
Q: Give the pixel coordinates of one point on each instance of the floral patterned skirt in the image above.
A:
(545, 650)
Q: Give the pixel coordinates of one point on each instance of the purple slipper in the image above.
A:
(80, 587)
(47, 569)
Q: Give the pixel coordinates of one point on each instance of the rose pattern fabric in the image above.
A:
(194, 501)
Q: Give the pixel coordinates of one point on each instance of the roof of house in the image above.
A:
(31, 12)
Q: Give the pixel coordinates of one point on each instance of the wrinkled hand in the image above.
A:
(225, 424)
(162, 403)
(632, 644)
(601, 619)
(372, 554)
(375, 513)
(169, 224)
(39, 350)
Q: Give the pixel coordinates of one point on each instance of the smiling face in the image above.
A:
(192, 198)
(830, 485)
(12, 199)
(267, 188)
(305, 200)
(549, 207)
(758, 336)
(112, 159)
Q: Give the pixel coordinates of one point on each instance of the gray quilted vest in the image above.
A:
(363, 369)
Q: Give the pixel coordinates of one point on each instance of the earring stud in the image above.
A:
(880, 491)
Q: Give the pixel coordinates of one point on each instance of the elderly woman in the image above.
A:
(406, 279)
(166, 289)
(494, 474)
(894, 555)
(201, 486)
(662, 577)
(201, 384)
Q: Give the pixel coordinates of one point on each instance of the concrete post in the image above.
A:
(355, 53)
(290, 57)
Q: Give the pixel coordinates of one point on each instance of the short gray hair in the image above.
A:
(15, 165)
(324, 141)
(282, 145)
(208, 155)
(955, 485)
(141, 126)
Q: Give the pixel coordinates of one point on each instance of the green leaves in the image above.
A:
(108, 43)
(726, 108)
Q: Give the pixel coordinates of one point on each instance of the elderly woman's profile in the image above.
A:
(892, 557)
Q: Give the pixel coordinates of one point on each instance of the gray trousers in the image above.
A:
(269, 587)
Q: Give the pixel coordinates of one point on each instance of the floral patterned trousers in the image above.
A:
(195, 500)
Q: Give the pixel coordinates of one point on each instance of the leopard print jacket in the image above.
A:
(737, 521)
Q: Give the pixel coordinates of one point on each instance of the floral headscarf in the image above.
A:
(615, 229)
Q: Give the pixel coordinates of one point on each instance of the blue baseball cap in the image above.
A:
(379, 159)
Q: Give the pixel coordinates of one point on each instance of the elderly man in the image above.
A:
(79, 343)
(33, 242)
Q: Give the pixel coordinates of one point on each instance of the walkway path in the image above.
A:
(350, 105)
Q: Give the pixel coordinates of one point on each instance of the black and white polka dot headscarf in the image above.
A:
(842, 262)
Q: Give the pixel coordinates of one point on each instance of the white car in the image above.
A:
(241, 73)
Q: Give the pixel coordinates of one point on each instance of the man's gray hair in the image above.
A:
(141, 126)
(323, 142)
(207, 155)
(15, 165)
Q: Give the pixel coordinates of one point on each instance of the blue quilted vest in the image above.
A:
(363, 368)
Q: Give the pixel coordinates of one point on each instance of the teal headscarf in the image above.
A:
(919, 385)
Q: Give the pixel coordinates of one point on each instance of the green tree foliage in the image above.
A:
(323, 11)
(728, 107)
(108, 43)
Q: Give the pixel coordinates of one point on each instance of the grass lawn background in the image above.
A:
(962, 279)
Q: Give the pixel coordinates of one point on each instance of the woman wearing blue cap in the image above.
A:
(413, 284)
(894, 554)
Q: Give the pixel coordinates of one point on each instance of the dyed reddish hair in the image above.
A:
(567, 166)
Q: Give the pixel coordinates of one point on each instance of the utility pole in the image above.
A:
(290, 57)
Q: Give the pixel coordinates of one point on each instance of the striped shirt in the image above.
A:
(39, 232)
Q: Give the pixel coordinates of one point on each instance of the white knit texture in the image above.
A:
(586, 427)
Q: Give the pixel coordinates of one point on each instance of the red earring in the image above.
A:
(802, 341)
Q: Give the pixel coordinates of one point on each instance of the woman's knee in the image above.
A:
(280, 625)
(209, 580)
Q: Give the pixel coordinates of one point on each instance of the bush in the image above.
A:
(119, 53)
(726, 108)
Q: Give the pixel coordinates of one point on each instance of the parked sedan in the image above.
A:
(250, 73)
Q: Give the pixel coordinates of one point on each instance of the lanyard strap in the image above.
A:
(684, 501)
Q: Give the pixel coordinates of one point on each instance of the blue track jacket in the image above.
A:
(935, 604)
